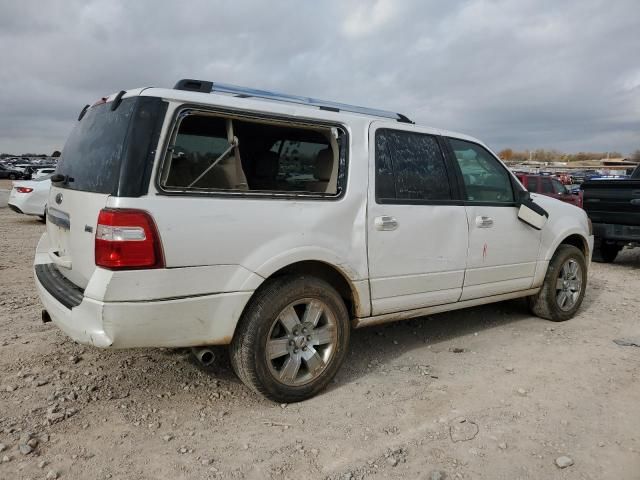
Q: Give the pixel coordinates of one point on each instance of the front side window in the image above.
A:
(485, 178)
(227, 154)
(410, 166)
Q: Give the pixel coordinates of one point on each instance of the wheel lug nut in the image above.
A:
(292, 343)
(295, 350)
(308, 338)
(304, 349)
(304, 330)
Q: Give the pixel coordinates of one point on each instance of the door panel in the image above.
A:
(501, 258)
(422, 262)
(502, 250)
(417, 236)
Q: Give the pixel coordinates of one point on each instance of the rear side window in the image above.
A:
(217, 153)
(485, 178)
(409, 167)
(532, 184)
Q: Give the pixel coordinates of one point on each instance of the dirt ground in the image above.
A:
(485, 393)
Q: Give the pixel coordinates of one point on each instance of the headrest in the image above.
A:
(324, 165)
(267, 165)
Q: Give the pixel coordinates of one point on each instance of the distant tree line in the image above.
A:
(552, 155)
(55, 154)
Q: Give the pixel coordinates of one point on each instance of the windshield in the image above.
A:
(92, 155)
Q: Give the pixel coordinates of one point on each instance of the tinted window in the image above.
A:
(93, 152)
(410, 166)
(546, 186)
(532, 184)
(485, 178)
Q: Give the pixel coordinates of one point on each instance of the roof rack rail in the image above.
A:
(245, 92)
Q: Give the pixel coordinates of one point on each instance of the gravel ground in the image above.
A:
(485, 393)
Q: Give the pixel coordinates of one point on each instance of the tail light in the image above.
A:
(24, 189)
(127, 239)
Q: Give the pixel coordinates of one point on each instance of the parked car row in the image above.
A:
(309, 249)
(26, 172)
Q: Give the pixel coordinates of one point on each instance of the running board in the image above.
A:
(420, 312)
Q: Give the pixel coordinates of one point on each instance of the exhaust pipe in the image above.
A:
(204, 355)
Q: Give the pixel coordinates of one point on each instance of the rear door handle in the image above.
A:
(484, 222)
(385, 223)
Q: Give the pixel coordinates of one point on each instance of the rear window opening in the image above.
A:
(111, 151)
(216, 153)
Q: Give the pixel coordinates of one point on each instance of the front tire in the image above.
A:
(292, 338)
(564, 286)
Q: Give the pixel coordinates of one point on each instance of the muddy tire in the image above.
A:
(292, 338)
(564, 285)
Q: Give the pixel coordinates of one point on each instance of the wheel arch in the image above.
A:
(330, 274)
(577, 241)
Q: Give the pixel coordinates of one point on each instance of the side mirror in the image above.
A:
(530, 212)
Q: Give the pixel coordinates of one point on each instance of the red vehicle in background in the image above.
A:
(551, 187)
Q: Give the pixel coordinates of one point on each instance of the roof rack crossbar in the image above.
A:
(211, 87)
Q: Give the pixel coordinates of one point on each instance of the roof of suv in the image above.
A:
(230, 96)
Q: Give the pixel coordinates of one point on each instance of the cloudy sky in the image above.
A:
(525, 74)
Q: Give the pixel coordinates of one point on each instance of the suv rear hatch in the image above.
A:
(110, 152)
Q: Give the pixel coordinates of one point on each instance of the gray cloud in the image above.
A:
(532, 73)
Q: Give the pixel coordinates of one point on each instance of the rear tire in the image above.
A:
(12, 176)
(291, 339)
(564, 285)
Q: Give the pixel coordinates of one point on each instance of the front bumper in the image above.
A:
(618, 233)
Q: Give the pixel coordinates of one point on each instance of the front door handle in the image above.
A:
(386, 223)
(483, 221)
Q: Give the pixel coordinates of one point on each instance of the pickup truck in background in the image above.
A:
(549, 186)
(614, 209)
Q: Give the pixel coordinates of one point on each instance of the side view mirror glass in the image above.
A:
(530, 212)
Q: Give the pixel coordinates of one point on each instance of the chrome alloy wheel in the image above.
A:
(301, 342)
(569, 285)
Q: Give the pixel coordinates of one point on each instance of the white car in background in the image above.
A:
(30, 196)
(43, 172)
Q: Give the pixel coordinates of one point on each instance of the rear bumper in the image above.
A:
(204, 320)
(618, 233)
(24, 205)
(115, 321)
(14, 208)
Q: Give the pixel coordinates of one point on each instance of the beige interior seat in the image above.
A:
(322, 171)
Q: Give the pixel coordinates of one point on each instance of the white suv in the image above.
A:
(209, 214)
